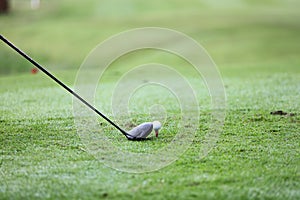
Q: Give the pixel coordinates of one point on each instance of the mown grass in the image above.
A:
(256, 156)
(255, 45)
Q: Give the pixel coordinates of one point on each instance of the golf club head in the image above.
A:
(141, 131)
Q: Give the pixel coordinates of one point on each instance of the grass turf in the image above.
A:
(257, 155)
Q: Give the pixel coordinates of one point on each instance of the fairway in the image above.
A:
(254, 44)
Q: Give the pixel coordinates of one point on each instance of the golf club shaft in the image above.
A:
(61, 83)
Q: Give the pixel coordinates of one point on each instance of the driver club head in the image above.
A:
(141, 131)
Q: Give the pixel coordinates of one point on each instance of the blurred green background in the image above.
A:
(257, 35)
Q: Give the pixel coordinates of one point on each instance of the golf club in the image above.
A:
(138, 133)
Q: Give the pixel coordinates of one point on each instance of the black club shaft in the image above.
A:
(61, 83)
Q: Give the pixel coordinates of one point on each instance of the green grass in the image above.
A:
(254, 44)
(257, 156)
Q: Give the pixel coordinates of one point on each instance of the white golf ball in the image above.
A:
(156, 125)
